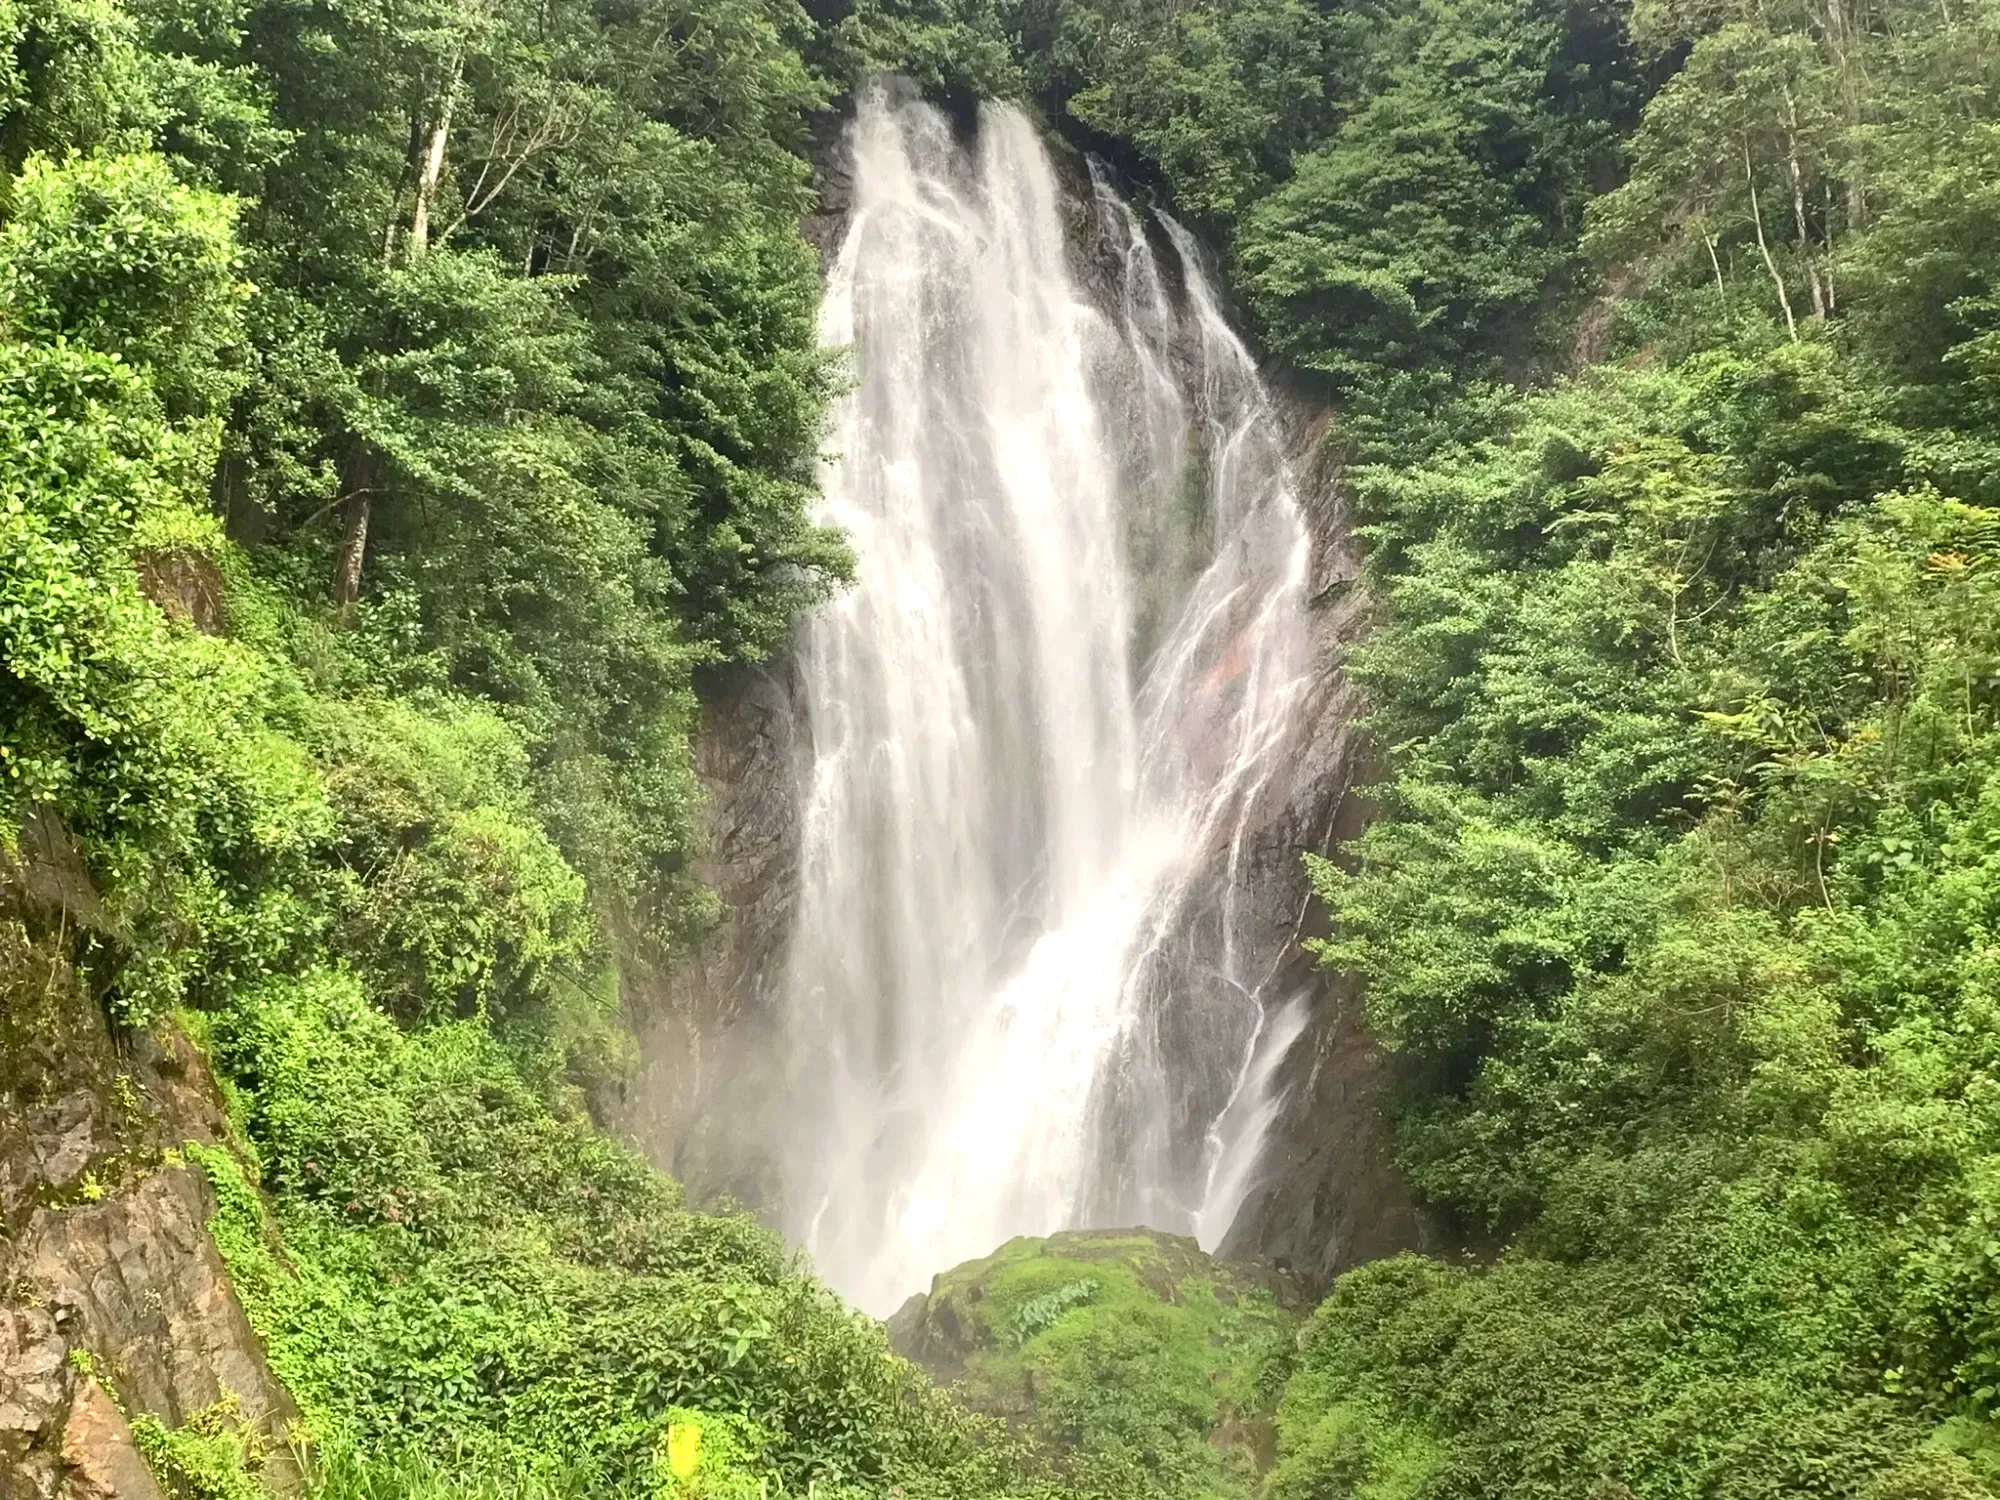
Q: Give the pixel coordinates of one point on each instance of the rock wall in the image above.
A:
(113, 1299)
(1327, 1195)
(700, 1102)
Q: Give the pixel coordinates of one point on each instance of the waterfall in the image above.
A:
(1018, 993)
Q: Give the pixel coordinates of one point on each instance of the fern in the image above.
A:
(1038, 1313)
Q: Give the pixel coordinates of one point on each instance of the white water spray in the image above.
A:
(1019, 995)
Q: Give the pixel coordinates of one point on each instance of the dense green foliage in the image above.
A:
(1681, 904)
(1399, 188)
(463, 1264)
(494, 328)
(1664, 344)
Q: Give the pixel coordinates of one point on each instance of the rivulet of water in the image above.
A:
(1018, 993)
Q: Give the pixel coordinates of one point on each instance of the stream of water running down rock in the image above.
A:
(1018, 995)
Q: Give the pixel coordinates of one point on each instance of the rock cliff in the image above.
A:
(701, 1101)
(114, 1303)
(1328, 1195)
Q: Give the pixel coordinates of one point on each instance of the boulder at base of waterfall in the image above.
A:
(1126, 1347)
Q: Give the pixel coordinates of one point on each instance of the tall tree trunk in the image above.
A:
(1844, 35)
(362, 465)
(1764, 245)
(394, 222)
(431, 171)
(360, 471)
(1798, 179)
(353, 548)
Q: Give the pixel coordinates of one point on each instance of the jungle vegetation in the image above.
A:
(403, 401)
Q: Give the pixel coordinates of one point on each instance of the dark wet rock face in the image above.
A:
(1327, 1195)
(113, 1298)
(1330, 1196)
(705, 1092)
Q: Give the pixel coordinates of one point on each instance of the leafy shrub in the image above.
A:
(1038, 1313)
(467, 1270)
(1351, 1449)
(148, 739)
(113, 254)
(453, 898)
(206, 1458)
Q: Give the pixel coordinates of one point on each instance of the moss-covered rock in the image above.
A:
(1127, 1353)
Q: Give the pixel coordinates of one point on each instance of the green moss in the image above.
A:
(1140, 1362)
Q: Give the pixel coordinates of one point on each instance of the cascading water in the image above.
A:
(1019, 998)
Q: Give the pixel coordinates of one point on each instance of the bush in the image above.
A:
(467, 1270)
(113, 254)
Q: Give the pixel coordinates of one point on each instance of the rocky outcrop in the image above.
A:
(1030, 1332)
(185, 584)
(700, 1101)
(113, 1298)
(97, 1446)
(973, 1308)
